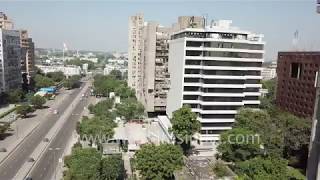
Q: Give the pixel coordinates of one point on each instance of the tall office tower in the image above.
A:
(10, 60)
(27, 56)
(156, 75)
(5, 22)
(215, 70)
(135, 53)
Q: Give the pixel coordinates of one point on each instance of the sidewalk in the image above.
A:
(23, 127)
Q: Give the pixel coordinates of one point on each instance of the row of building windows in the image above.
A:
(232, 45)
(243, 72)
(224, 54)
(223, 63)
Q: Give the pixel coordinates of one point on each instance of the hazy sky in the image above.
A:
(103, 25)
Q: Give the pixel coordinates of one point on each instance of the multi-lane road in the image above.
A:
(10, 166)
(45, 168)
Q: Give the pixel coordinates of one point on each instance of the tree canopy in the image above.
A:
(111, 168)
(184, 125)
(239, 144)
(83, 164)
(56, 76)
(98, 126)
(130, 109)
(37, 101)
(266, 169)
(102, 107)
(43, 81)
(158, 162)
(24, 110)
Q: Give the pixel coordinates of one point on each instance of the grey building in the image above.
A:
(10, 60)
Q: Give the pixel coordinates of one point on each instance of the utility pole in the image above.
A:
(313, 171)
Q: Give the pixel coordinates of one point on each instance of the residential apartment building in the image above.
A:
(296, 72)
(269, 71)
(5, 22)
(155, 68)
(10, 56)
(216, 70)
(135, 56)
(27, 56)
(148, 59)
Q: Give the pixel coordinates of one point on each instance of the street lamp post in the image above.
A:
(54, 159)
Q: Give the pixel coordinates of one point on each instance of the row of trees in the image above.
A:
(266, 143)
(129, 108)
(101, 125)
(78, 62)
(88, 164)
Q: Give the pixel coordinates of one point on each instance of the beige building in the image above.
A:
(148, 59)
(27, 55)
(156, 76)
(5, 22)
(135, 55)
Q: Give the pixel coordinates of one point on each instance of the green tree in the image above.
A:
(4, 127)
(124, 91)
(269, 130)
(56, 76)
(78, 62)
(130, 109)
(37, 101)
(16, 96)
(266, 169)
(103, 85)
(111, 168)
(42, 81)
(102, 107)
(98, 126)
(239, 144)
(158, 162)
(116, 74)
(24, 110)
(72, 82)
(184, 126)
(83, 164)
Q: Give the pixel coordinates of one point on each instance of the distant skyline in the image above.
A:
(103, 26)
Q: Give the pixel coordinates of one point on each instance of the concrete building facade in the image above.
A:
(10, 56)
(27, 56)
(270, 71)
(5, 22)
(215, 70)
(148, 59)
(155, 68)
(135, 53)
(296, 72)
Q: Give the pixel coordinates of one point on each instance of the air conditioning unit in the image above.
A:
(318, 9)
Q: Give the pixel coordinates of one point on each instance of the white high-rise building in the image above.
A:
(10, 60)
(216, 70)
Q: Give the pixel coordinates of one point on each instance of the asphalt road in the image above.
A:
(10, 166)
(45, 168)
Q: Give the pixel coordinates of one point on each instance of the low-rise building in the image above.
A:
(67, 70)
(270, 71)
